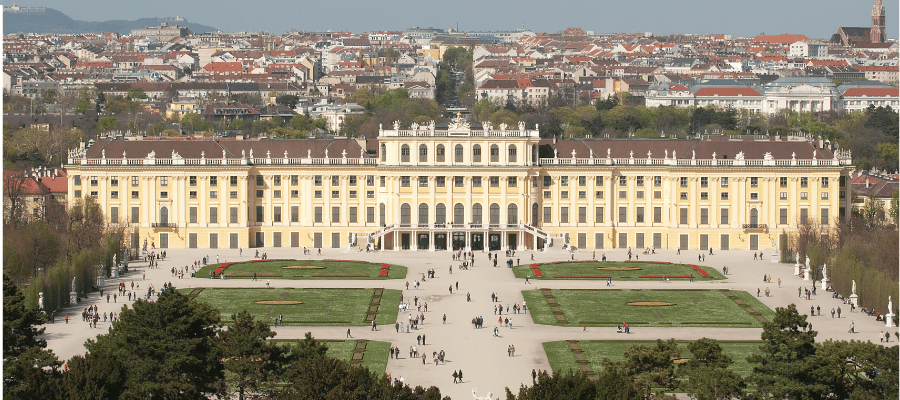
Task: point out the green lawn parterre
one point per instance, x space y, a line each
588 270
692 308
272 269
320 307
561 358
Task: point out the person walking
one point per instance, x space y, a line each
423 358
455 376
526 279
839 311
533 375
451 289
460 376
374 327
67 318
832 312
445 319
852 328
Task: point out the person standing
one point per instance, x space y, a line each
445 319
852 328
460 376
423 358
832 312
533 375
455 376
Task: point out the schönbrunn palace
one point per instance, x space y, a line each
463 188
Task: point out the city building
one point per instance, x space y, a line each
463 187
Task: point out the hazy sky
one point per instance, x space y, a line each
814 18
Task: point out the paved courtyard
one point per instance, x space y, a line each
476 352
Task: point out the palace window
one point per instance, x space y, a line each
423 181
512 181
134 181
724 181
404 181
114 181
192 181
440 181
494 181
639 180
476 181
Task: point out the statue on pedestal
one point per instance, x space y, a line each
890 305
73 284
853 290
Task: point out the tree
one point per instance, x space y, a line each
136 93
289 100
29 370
252 363
857 369
706 373
14 198
108 124
652 366
95 376
167 347
785 367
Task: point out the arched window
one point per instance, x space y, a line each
476 213
495 214
512 214
512 153
495 153
534 214
404 153
383 153
458 153
459 214
754 216
439 153
423 213
476 153
382 213
440 214
163 215
405 214
423 153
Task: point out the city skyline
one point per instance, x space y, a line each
697 17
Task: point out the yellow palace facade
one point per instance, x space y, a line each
463 188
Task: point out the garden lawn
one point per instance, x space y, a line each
275 269
710 308
617 270
319 307
561 358
375 356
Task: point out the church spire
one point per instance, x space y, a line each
877 33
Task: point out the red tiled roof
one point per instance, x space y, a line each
873 92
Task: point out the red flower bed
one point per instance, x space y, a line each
534 266
384 272
385 266
342 275
581 276
251 275
665 276
700 271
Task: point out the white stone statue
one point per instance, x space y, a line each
890 305
768 156
380 128
114 261
414 127
489 396
573 153
326 153
739 156
123 154
431 125
775 246
793 155
555 153
41 300
103 153
73 284
223 154
308 153
503 126
608 152
714 155
344 152
268 153
693 154
522 126
853 290
152 154
243 153
592 153
797 258
814 154
397 125
251 154
649 154
807 263
285 154
631 154
203 154
536 127
824 272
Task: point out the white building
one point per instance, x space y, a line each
808 50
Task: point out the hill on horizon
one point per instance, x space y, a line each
54 21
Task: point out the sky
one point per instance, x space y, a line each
814 18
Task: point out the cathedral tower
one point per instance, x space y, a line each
877 34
